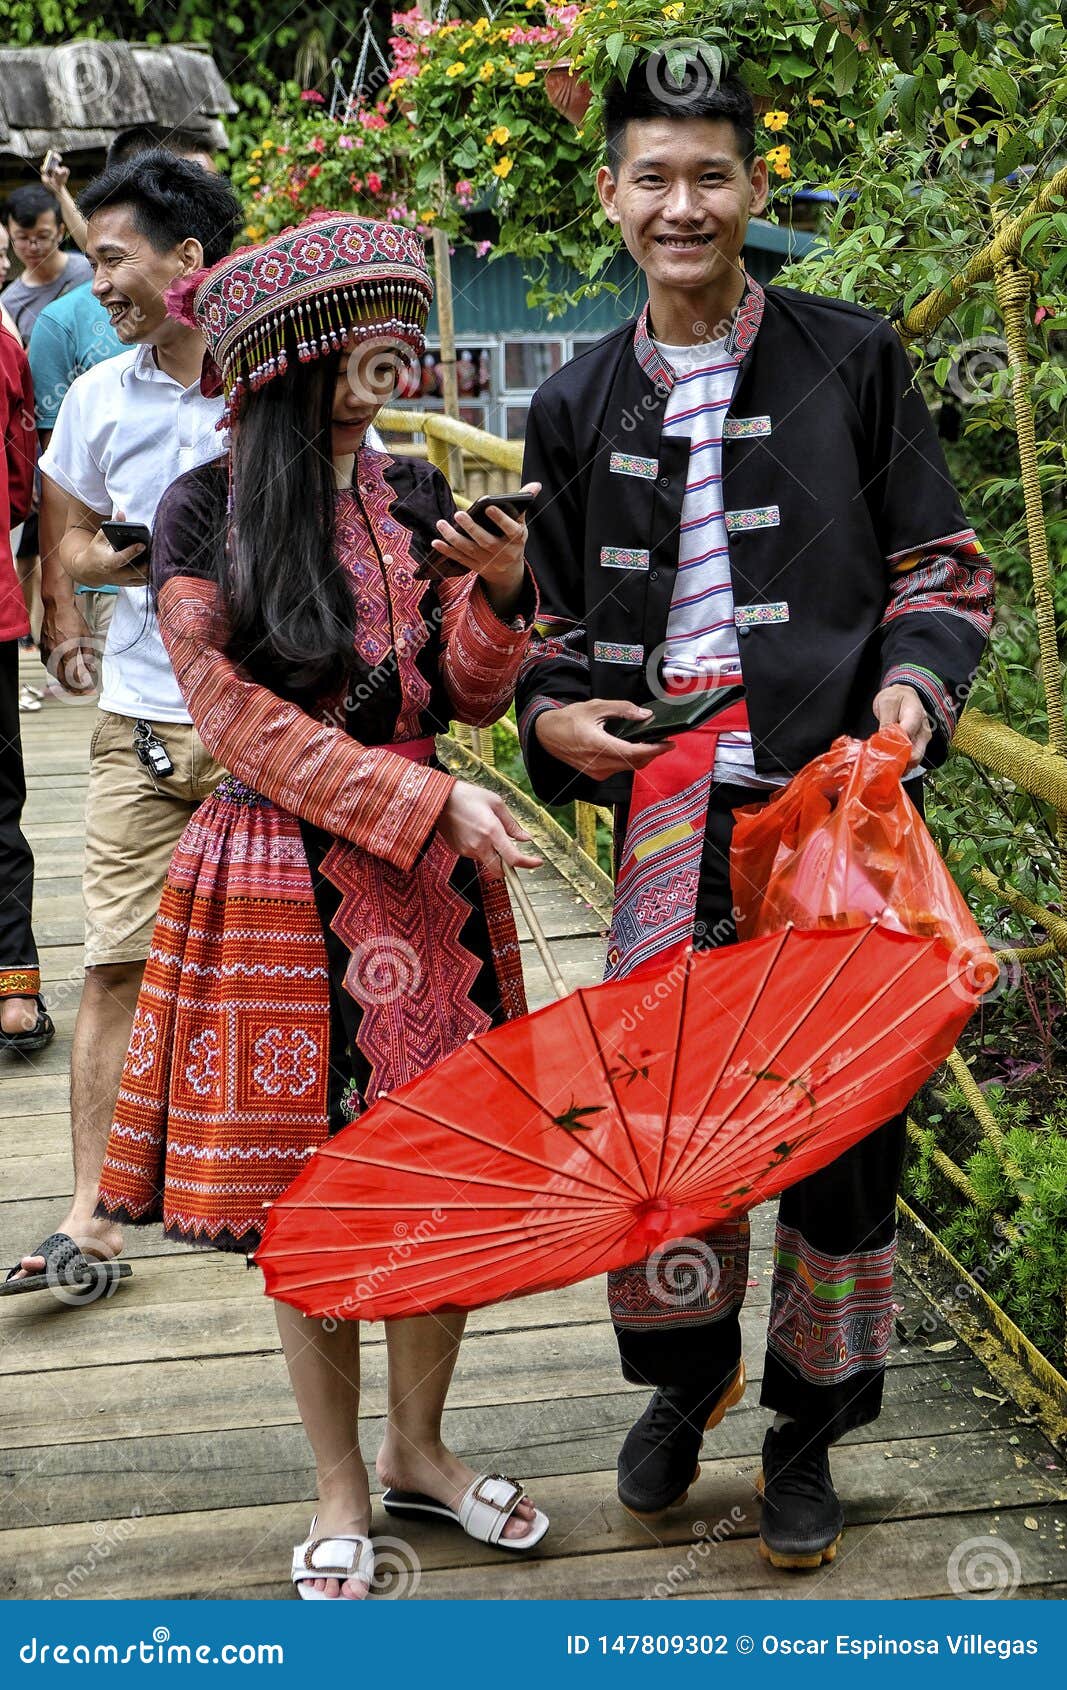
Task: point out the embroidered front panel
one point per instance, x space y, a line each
690 1282
625 463
760 516
623 557
409 972
656 890
746 428
831 1316
609 651
748 615
376 629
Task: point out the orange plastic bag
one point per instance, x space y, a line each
843 843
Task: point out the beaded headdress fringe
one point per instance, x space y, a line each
337 320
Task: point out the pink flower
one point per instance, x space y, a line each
316 170
313 97
374 182
483 247
345 142
317 144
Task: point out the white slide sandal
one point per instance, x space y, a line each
484 1510
331 1558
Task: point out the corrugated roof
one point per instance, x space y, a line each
78 96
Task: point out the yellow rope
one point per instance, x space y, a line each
923 318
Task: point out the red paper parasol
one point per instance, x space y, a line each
579 1138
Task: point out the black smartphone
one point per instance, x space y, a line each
119 535
672 715
516 505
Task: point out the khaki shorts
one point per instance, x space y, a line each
133 820
97 609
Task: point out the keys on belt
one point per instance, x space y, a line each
152 754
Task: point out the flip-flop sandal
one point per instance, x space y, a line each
484 1510
31 1038
67 1270
331 1558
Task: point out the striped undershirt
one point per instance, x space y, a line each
701 636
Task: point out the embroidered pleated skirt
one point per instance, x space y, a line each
291 979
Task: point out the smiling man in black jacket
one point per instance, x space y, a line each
744 485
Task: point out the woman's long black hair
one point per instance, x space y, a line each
289 604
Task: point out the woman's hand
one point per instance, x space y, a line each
499 562
479 825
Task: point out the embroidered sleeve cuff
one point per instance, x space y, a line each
483 656
931 690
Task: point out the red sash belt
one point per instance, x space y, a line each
659 871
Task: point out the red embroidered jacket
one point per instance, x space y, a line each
453 658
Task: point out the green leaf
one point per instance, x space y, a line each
625 62
614 45
677 62
1010 156
845 64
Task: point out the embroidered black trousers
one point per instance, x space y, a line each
677 1315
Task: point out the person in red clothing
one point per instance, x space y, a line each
24 1022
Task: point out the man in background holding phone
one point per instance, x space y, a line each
743 485
125 430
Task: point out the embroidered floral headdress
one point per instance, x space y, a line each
332 284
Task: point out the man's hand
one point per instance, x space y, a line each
575 734
90 559
902 705
478 824
67 647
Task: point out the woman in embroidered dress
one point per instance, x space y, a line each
334 920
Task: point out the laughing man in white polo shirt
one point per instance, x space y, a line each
125 431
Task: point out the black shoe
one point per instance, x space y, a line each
802 1519
657 1461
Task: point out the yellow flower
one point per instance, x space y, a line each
775 120
257 152
502 167
487 70
613 5
812 101
672 12
783 170
426 216
267 145
779 155
254 181
252 232
523 78
498 137
456 69
480 26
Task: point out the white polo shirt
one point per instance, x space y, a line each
124 432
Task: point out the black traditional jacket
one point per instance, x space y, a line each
853 565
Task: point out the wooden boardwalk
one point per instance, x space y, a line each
151 1447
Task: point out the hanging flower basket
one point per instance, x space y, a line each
570 94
